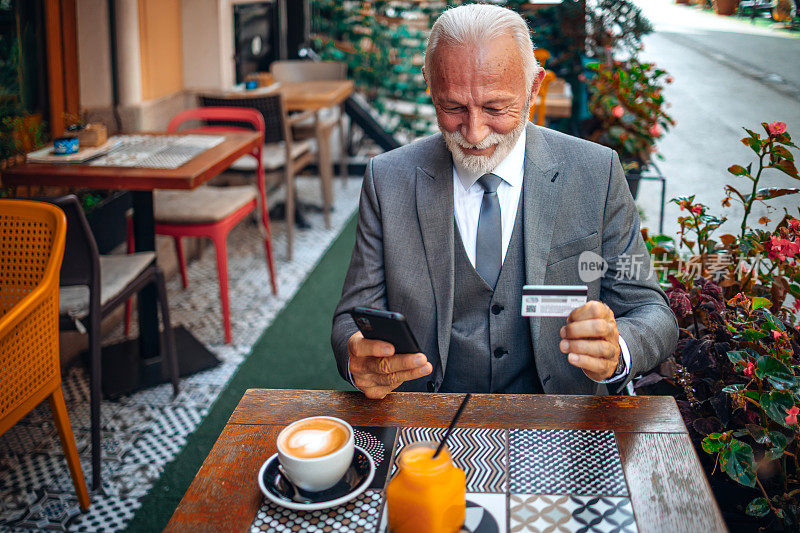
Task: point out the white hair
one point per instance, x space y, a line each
476 24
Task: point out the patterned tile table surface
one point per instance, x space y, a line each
517 480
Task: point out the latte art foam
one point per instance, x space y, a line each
314 438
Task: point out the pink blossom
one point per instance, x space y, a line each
748 370
776 128
791 417
670 79
618 111
796 305
775 334
698 209
794 224
655 130
779 248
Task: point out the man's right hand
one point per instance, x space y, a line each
376 370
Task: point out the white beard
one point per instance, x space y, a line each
479 165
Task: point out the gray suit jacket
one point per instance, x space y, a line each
575 199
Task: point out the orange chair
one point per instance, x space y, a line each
32 236
539 107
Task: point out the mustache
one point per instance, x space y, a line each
490 140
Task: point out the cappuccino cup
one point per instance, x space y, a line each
316 452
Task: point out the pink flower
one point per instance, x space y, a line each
791 417
776 128
618 111
794 224
775 334
796 305
670 79
698 209
655 130
748 370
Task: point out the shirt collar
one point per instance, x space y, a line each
509 169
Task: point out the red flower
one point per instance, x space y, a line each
655 130
618 111
775 334
776 128
791 417
794 224
670 79
748 370
698 209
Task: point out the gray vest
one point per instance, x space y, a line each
490 342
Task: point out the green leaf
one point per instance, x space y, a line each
778 374
737 356
737 170
794 288
738 462
773 322
733 389
753 335
776 404
761 302
787 167
779 442
758 433
712 444
758 507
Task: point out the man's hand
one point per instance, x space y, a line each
377 370
592 341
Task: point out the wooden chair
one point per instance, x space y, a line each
94 285
282 157
322 123
213 212
32 236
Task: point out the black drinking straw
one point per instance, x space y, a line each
452 424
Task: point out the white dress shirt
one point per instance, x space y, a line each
467 198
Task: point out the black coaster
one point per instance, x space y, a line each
379 443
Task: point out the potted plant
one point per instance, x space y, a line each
736 370
627 104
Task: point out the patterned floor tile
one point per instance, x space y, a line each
564 513
480 452
359 515
565 462
143 431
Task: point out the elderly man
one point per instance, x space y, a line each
452 226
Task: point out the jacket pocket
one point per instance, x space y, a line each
574 247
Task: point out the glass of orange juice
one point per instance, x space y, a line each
426 495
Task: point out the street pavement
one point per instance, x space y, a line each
728 74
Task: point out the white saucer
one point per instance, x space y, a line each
354 482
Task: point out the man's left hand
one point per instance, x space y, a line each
592 341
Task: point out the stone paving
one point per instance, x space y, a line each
728 74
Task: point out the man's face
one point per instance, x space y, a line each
481 101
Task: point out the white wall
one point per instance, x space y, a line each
94 53
202 67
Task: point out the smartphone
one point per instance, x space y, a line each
386 326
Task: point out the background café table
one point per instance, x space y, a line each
532 457
130 366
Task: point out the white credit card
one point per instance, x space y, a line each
552 300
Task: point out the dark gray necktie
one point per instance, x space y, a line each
488 246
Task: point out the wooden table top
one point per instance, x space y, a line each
668 489
193 173
315 95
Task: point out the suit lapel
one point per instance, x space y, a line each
436 219
541 195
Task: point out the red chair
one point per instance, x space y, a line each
213 211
